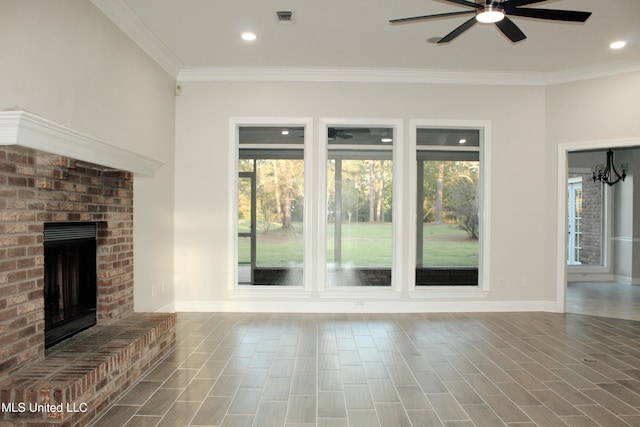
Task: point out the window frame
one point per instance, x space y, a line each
484 127
397 210
235 123
604 271
403 211
572 185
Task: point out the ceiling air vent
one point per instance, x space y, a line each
284 16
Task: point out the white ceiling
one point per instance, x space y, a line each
356 34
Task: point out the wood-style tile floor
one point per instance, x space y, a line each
608 299
469 369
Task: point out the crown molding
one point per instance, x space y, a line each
362 75
28 130
366 75
592 72
121 15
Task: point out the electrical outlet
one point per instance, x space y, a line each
359 302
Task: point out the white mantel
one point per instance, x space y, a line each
31 131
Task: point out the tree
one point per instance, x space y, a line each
280 185
463 205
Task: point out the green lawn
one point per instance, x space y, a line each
364 244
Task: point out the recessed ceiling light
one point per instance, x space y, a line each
248 36
618 44
462 141
386 139
284 131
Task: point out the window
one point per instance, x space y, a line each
359 195
355 186
271 196
585 219
448 205
574 211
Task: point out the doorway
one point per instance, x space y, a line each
590 279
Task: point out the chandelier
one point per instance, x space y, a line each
608 174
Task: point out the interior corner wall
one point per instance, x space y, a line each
602 109
635 241
635 251
65 61
626 236
517 201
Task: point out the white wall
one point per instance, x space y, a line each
517 205
66 62
626 236
597 113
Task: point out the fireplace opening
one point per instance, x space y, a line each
69 279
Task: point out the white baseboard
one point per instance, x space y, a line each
169 308
367 306
591 277
627 280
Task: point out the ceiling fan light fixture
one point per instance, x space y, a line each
491 14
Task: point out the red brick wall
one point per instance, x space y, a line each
35 188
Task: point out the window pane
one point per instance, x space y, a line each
270 207
270 135
448 222
359 219
448 137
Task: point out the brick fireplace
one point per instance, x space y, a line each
37 187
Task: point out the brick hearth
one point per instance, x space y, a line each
84 374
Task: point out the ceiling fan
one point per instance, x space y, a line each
497 11
346 133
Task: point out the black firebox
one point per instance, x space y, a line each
69 279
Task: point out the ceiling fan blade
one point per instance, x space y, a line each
355 130
510 30
461 29
425 17
466 3
510 4
551 14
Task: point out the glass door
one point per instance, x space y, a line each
574 210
